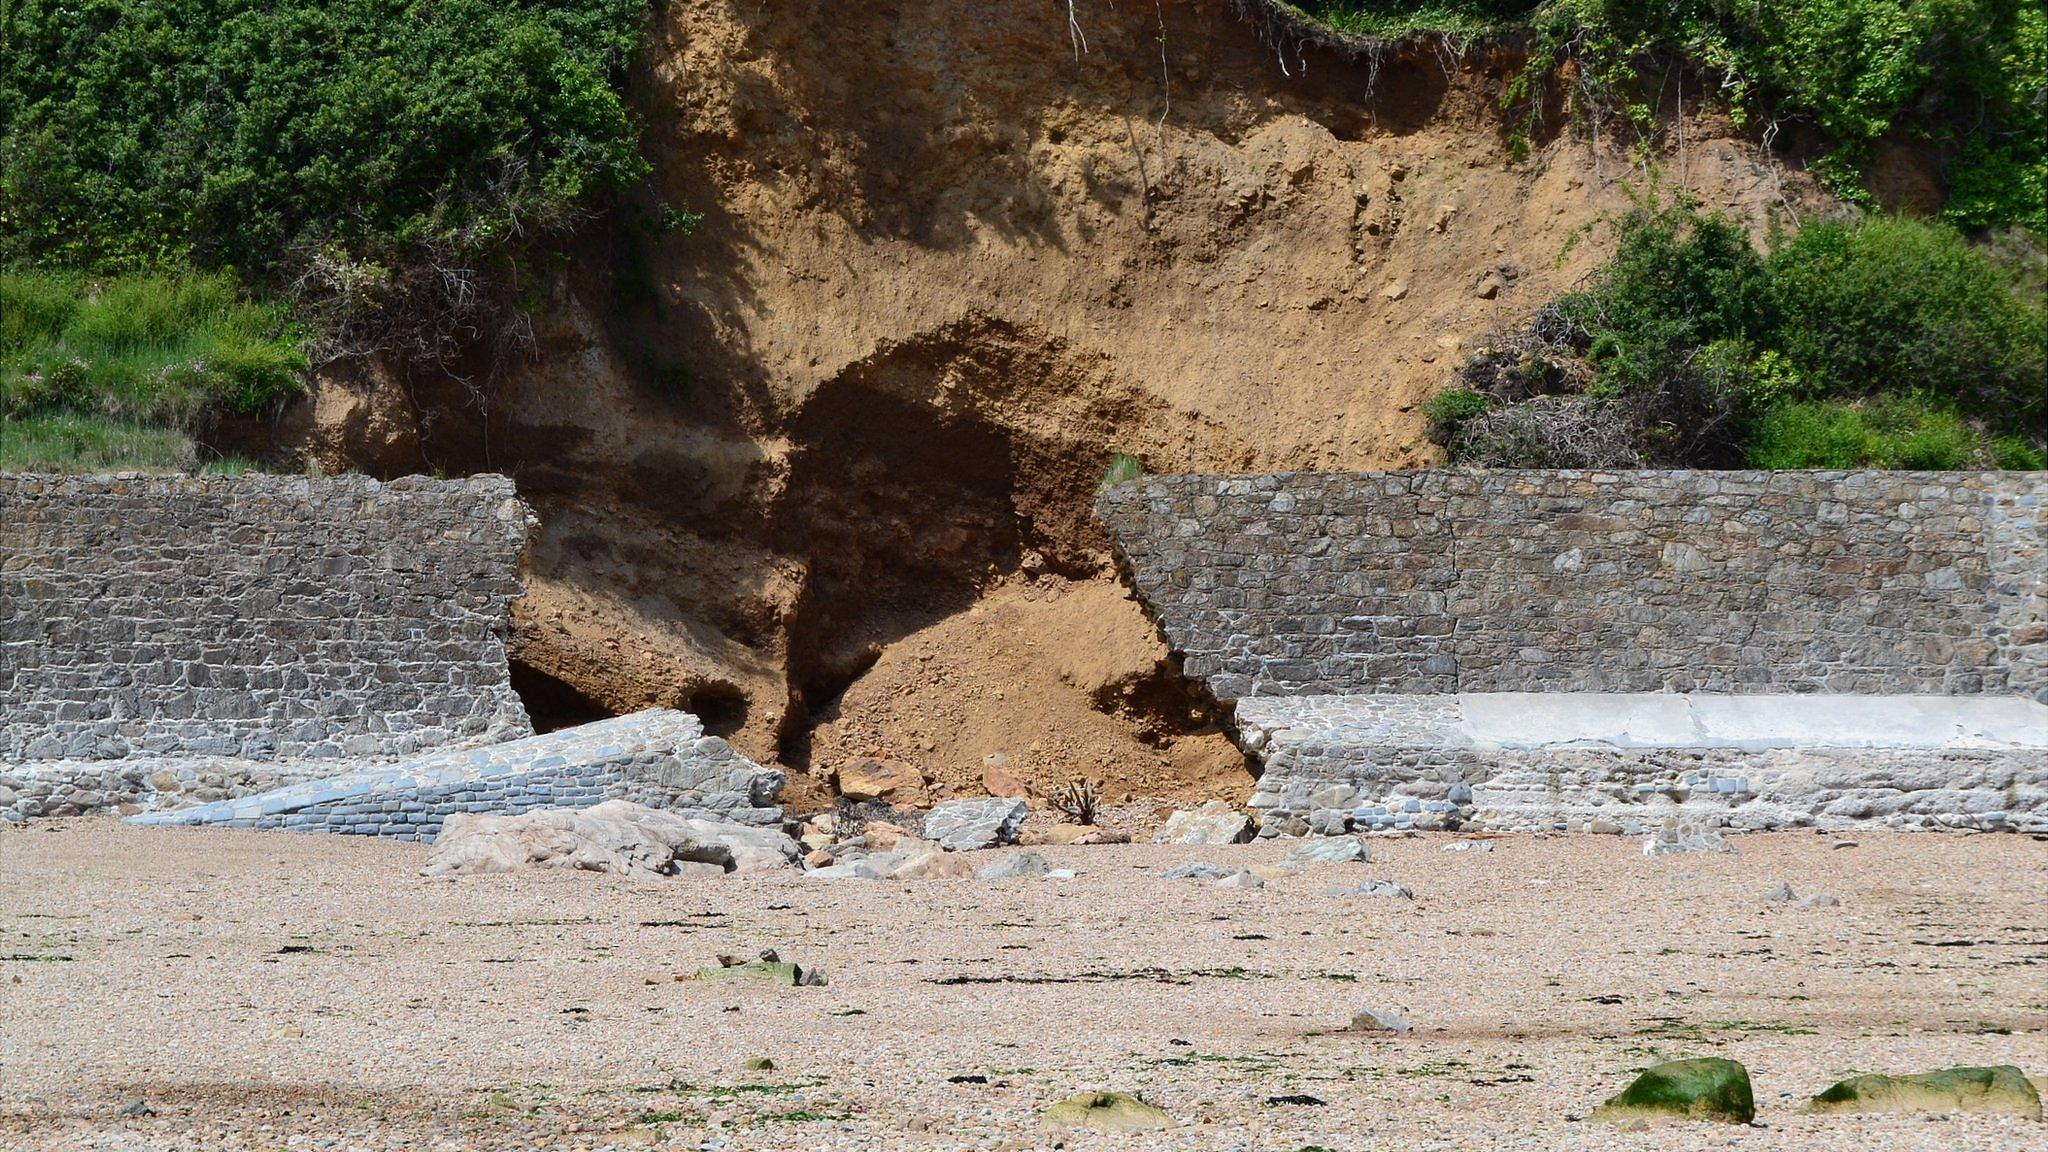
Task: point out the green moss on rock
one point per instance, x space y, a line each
1708 1088
1105 1112
775 972
2002 1090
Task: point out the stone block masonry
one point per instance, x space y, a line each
659 757
202 622
1729 582
1516 761
1600 650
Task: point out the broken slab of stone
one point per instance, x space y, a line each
1378 1020
2002 1090
933 863
1079 834
658 757
615 836
1215 822
866 778
1374 887
967 825
1105 1112
1196 870
1334 850
1706 1088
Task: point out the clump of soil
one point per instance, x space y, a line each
1046 680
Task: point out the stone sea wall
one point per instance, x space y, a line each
1564 581
197 622
1615 763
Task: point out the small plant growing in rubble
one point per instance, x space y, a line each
1077 799
1122 466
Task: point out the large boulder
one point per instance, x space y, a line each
964 825
615 836
2000 1091
1707 1088
1215 822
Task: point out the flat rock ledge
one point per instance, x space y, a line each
659 758
1627 762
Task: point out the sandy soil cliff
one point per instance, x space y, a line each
820 471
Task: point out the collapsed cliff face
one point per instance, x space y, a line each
950 262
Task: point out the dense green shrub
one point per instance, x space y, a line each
1122 467
1895 433
371 161
1900 306
1968 77
1449 410
1883 343
234 133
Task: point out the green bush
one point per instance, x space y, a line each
1883 343
1122 467
1678 281
139 134
1889 305
70 442
2015 453
1451 409
1896 433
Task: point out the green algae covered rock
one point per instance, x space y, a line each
1708 1088
773 971
1999 1091
1105 1112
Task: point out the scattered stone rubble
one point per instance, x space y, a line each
616 836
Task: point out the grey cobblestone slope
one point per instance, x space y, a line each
659 757
259 618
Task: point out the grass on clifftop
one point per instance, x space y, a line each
117 372
181 178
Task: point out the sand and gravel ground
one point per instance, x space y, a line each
262 990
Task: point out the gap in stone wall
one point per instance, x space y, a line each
553 704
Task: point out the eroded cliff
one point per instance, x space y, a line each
820 471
